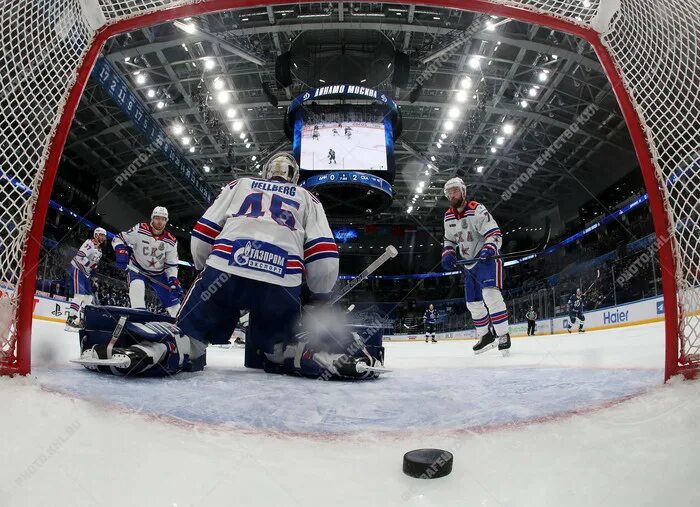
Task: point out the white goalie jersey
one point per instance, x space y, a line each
271 231
153 255
471 229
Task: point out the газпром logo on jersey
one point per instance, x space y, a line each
260 256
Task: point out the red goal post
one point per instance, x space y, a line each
648 48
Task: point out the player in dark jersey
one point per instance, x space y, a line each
577 302
429 320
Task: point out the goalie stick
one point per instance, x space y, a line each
118 360
539 248
389 253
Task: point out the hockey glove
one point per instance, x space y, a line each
175 287
487 252
121 254
449 261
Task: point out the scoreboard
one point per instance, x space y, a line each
343 138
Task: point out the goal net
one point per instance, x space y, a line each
649 49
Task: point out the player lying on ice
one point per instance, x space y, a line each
253 245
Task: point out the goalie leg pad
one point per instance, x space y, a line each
331 352
155 346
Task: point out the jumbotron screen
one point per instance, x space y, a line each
344 138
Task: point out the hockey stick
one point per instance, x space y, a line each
539 248
389 253
115 335
412 327
150 278
593 283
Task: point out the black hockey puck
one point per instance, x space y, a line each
427 463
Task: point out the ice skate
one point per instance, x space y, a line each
96 356
358 367
486 342
73 324
504 344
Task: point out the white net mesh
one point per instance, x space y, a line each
42 45
654 43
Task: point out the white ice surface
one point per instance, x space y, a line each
566 420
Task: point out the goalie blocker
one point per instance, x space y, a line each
152 345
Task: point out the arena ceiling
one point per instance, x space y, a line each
526 85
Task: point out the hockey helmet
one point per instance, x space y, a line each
282 165
98 231
160 211
456 183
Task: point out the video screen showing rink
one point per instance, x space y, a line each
348 146
350 137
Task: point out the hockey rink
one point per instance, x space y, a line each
524 430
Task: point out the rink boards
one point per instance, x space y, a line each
639 312
630 314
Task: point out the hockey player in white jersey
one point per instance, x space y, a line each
470 228
255 244
81 267
149 254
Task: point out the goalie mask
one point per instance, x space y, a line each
282 165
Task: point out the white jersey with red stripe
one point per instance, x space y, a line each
151 254
272 231
88 256
472 229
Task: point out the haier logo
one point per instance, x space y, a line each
615 317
